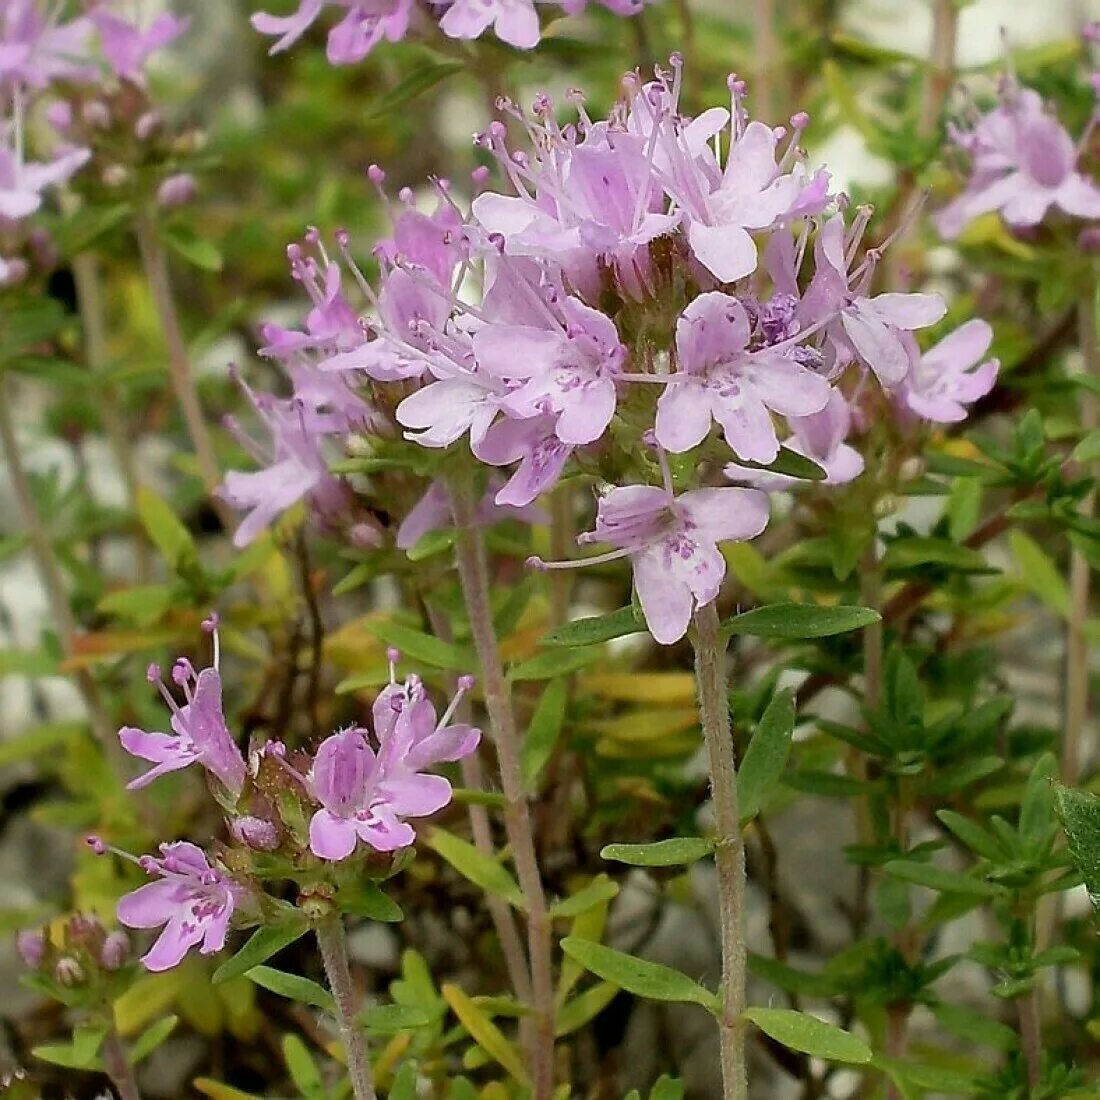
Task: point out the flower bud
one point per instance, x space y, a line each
1088 240
31 945
177 190
115 950
68 971
255 833
147 125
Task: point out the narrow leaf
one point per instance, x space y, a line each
794 621
484 1032
481 870
940 879
599 890
766 756
292 986
263 943
422 647
592 631
151 1038
801 1031
544 731
645 979
677 851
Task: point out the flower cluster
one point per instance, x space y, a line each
52 63
360 786
653 299
1023 163
78 954
365 23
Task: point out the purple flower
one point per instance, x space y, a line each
719 378
672 543
432 512
567 371
535 445
30 943
1023 163
36 49
869 328
364 25
950 375
514 21
199 731
127 47
364 794
193 900
22 182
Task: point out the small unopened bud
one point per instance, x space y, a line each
1088 240
96 113
147 125
96 844
467 682
177 190
255 833
31 945
115 950
59 115
68 971
115 175
376 174
84 928
480 175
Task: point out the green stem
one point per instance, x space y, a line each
1077 651
713 687
118 1067
334 955
155 264
93 319
473 572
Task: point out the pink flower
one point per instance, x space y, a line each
535 445
199 732
720 379
950 376
37 50
192 900
567 371
366 794
432 512
514 21
22 182
672 544
127 47
364 25
1023 163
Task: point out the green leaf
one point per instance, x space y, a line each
365 899
600 628
667 1088
975 1027
978 840
913 551
481 870
404 1083
64 1054
645 979
543 732
423 647
292 986
263 943
431 544
1037 805
1079 812
425 76
554 662
584 1008
200 251
151 1038
1088 450
766 757
484 1032
170 537
1039 573
390 1019
801 1031
964 506
677 851
940 879
303 1069
599 890
794 621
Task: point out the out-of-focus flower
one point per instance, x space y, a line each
127 47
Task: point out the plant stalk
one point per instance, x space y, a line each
712 683
155 264
1031 1035
473 571
118 1067
1077 651
334 955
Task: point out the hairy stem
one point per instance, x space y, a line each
334 955
1077 652
713 688
49 571
155 264
504 922
473 571
118 1067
